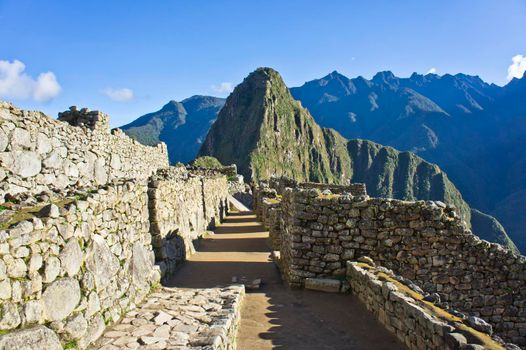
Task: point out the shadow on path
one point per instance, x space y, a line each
274 316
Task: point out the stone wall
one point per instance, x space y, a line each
79 207
183 206
271 218
417 323
38 153
423 241
78 264
281 183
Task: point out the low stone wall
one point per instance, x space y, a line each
183 206
38 153
76 265
417 323
423 241
281 183
177 318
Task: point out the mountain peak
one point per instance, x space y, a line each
172 106
386 78
384 75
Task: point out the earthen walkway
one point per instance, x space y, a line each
274 316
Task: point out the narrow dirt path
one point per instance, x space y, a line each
274 316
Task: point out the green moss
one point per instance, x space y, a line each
207 162
29 212
2 208
71 345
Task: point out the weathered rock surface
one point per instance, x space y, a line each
61 298
34 338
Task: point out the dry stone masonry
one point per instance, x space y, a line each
38 153
183 206
425 242
78 264
417 323
90 221
172 318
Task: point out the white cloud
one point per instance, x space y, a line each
224 87
517 67
16 84
119 95
432 71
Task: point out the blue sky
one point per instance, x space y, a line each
128 58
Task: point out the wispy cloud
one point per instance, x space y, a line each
223 88
432 71
119 95
517 67
16 84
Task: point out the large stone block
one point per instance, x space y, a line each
323 285
60 299
101 262
34 338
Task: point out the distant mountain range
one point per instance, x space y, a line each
475 131
181 125
265 131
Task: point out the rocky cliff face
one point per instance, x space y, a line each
265 131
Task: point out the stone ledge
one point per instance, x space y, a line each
417 323
180 318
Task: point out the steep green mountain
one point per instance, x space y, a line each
181 125
475 131
488 228
265 131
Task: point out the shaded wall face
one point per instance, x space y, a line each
423 241
38 153
182 208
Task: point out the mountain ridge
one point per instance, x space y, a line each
181 125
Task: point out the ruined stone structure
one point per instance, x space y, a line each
183 205
425 242
90 221
38 153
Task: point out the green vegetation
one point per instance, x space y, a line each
29 212
2 208
207 162
488 228
71 345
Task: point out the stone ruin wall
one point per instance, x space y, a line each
416 323
183 206
425 242
267 201
38 153
78 265
77 252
